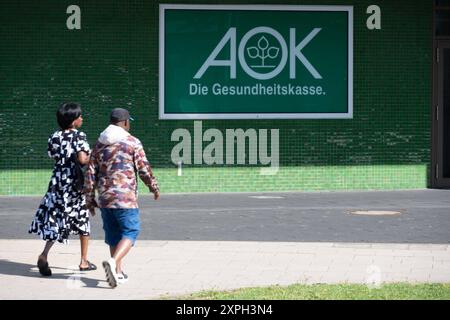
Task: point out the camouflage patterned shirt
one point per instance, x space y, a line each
115 162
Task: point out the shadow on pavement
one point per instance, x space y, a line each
12 268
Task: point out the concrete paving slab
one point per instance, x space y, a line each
19 278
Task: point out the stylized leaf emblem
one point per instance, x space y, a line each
273 52
253 52
263 43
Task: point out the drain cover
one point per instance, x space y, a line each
266 197
376 212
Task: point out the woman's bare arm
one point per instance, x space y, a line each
83 157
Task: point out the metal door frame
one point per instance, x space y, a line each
437 179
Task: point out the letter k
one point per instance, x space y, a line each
295 52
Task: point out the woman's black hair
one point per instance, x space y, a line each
67 113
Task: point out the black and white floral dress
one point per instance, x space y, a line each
63 209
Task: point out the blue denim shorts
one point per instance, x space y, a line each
119 224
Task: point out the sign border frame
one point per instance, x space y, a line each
225 116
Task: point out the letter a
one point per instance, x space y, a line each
74 21
211 61
184 146
374 21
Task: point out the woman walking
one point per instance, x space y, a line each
63 210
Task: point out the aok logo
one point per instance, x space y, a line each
263 54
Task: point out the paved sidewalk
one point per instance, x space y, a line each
161 268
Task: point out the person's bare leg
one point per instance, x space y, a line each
84 241
44 254
121 250
112 250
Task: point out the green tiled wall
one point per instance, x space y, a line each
113 62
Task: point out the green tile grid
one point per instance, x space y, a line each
328 178
113 61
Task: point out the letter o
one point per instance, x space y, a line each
284 55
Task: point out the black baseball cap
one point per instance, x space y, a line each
119 114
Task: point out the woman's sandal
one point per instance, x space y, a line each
90 267
44 268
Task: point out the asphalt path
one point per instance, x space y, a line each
287 216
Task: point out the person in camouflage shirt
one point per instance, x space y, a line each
116 160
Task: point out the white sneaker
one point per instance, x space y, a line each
110 271
122 278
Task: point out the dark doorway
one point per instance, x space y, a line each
441 118
440 156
